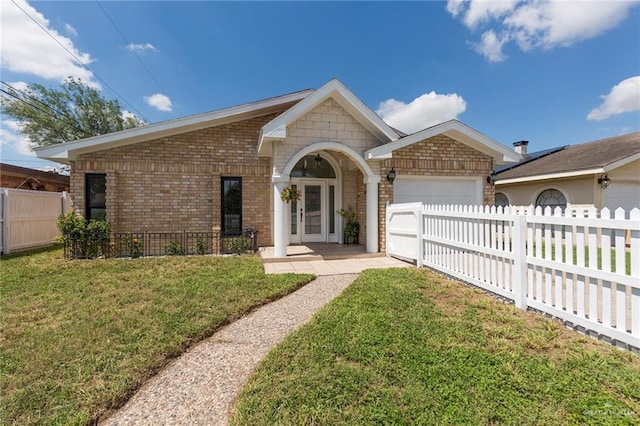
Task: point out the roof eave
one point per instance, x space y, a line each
549 176
68 151
457 131
277 128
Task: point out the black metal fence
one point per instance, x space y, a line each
132 244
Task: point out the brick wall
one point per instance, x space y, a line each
173 184
436 156
328 122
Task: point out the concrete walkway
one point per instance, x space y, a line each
333 267
201 386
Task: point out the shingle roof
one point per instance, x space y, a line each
586 156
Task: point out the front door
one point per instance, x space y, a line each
312 212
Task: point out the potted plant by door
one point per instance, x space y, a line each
351 227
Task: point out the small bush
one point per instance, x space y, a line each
201 246
174 248
83 239
238 245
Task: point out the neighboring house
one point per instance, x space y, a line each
227 169
17 177
603 173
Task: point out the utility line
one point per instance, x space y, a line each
39 109
128 43
79 61
74 123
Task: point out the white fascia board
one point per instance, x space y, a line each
551 176
351 103
457 131
622 162
165 128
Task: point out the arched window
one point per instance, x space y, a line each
313 166
501 200
552 198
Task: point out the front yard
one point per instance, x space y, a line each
403 346
78 337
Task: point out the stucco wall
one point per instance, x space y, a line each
578 191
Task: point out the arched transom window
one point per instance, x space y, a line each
501 200
552 198
313 166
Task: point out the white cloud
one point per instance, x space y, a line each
159 102
491 46
623 97
141 47
26 48
70 30
542 24
424 111
10 137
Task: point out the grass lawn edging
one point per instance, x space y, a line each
80 337
403 346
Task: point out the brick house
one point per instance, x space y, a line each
226 169
37 180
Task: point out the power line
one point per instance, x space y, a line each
128 43
73 123
35 107
79 61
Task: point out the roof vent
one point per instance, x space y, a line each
521 147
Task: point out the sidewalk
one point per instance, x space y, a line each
200 387
333 267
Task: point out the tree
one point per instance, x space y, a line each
76 111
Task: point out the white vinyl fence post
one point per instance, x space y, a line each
6 227
420 253
520 261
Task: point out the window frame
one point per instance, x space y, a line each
88 177
224 179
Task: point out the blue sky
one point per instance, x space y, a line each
551 72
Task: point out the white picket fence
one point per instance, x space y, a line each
29 218
574 265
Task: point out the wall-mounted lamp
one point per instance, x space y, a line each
391 176
604 181
318 160
491 179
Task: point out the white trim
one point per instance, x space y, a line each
276 129
622 162
69 150
550 176
327 146
455 130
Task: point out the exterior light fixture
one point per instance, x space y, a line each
491 179
604 181
391 176
318 160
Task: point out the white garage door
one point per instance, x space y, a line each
622 194
430 190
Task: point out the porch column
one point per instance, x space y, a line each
372 213
280 182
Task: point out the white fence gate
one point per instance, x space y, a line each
29 218
572 264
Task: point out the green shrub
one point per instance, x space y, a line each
174 248
238 245
81 239
201 246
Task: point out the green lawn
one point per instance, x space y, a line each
78 337
403 346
